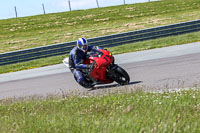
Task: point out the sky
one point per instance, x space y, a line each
34 7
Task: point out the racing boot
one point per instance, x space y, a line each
86 84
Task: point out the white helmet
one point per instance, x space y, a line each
82 44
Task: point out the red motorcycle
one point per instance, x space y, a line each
104 70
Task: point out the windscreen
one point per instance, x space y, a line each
95 53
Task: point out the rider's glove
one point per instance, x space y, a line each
91 67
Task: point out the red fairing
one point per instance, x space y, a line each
102 62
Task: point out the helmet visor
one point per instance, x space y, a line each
83 47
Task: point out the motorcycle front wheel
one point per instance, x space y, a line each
122 76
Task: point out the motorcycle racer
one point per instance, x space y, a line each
92 65
77 57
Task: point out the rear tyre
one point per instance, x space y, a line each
122 76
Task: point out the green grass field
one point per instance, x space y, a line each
34 31
116 113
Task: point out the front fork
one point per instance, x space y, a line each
111 73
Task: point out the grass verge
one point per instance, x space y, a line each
150 44
34 31
127 112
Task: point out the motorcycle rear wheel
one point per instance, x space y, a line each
122 76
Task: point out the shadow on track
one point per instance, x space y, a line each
114 85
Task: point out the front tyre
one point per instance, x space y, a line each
122 76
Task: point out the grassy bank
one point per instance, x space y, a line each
34 31
133 112
156 43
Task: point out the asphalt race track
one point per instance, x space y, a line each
157 69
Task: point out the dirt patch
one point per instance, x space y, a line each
133 26
155 21
101 20
115 30
130 8
56 41
89 16
15 48
129 16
